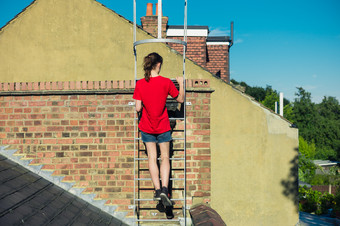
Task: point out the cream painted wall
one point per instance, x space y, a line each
253 152
252 148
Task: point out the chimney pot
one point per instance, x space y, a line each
149 9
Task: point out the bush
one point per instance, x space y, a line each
327 202
315 202
319 179
337 200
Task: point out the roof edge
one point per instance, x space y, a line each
17 15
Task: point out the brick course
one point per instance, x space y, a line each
84 131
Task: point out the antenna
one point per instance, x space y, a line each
232 33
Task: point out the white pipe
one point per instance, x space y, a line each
281 104
276 107
159 18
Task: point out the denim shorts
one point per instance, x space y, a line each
156 138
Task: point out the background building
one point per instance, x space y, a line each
210 52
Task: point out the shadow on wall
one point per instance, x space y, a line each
291 184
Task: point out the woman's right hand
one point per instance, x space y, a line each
179 80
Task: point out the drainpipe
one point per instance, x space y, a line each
281 104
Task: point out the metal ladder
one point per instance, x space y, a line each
137 140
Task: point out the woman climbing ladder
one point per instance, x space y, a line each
150 94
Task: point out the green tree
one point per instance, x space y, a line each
325 153
270 98
288 112
258 93
328 139
329 108
305 115
306 168
306 149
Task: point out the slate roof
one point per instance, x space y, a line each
26 198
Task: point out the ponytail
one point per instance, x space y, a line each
150 61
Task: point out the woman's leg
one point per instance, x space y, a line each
153 168
165 165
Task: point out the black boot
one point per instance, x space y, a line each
157 196
165 196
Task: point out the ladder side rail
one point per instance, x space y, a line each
185 118
136 115
159 19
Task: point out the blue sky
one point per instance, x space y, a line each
285 44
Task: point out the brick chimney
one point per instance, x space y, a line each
196 42
218 56
150 21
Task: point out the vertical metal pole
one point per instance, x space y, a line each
185 118
135 115
281 104
275 107
159 18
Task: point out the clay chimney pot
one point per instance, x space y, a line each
149 9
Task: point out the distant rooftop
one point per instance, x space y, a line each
324 162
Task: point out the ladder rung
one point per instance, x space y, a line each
172 138
159 220
154 200
160 158
160 179
152 189
171 169
169 118
171 150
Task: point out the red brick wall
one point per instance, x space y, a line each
325 188
196 49
217 61
84 131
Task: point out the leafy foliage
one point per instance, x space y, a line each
325 153
319 123
306 149
319 179
270 98
306 169
314 201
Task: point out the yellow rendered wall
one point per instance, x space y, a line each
253 151
254 162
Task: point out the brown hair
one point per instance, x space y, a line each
150 61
